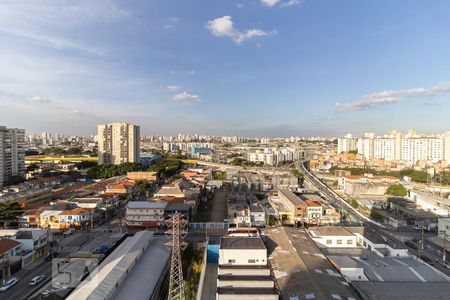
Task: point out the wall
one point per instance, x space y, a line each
241 257
444 225
322 241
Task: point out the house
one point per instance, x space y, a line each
119 188
49 219
257 215
333 237
181 208
77 218
10 247
147 176
35 243
314 212
296 207
145 214
88 202
169 190
30 220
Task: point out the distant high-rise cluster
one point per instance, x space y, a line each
118 143
12 152
410 147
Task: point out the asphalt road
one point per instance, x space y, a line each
23 287
373 225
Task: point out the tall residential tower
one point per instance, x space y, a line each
12 152
118 142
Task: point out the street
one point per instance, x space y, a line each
23 287
388 233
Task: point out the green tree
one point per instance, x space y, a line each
397 190
32 167
142 186
219 175
354 203
8 210
13 180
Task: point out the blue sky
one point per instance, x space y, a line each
258 68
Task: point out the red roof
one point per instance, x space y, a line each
7 244
311 203
76 211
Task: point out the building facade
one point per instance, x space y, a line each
145 214
395 146
118 143
12 153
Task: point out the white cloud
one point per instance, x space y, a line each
282 3
47 23
184 96
177 115
173 87
171 22
291 3
240 5
269 2
38 99
223 27
388 97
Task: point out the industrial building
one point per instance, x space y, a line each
243 272
120 276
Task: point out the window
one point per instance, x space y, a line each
251 261
329 242
349 242
339 242
231 261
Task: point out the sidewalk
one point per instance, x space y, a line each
210 283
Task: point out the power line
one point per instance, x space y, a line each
177 226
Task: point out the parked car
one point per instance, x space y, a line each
417 227
10 283
445 264
37 279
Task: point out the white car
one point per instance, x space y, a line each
37 279
10 283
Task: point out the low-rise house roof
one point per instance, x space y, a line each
147 205
8 244
234 242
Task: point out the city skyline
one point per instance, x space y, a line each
247 68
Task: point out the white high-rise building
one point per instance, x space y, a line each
410 147
118 143
12 152
347 143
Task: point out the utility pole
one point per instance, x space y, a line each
444 250
176 285
5 260
421 239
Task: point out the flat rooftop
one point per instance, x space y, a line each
292 197
238 242
300 268
330 231
403 290
389 269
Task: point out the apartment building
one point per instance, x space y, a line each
118 143
145 214
12 152
395 146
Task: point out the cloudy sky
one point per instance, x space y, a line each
268 67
